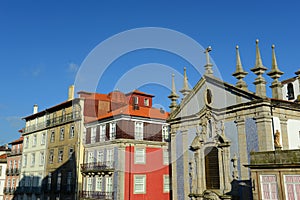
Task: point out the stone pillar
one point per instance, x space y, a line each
201 171
264 132
284 133
173 163
242 154
226 161
185 160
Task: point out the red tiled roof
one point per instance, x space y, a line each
140 112
20 140
3 156
140 93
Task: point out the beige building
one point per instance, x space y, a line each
52 151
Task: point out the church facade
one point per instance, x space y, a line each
217 125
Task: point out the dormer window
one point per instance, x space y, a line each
135 100
146 102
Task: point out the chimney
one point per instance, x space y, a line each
35 108
71 93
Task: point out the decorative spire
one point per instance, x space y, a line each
275 74
208 66
173 96
239 72
185 90
259 70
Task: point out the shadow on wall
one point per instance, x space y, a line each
60 183
241 189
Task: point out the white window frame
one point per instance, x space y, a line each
139 155
112 130
42 158
51 156
165 156
58 182
90 157
269 185
32 163
43 140
89 184
99 184
72 132
102 132
293 183
52 136
60 155
139 184
100 156
146 102
166 183
165 133
93 134
62 134
34 140
25 160
109 157
138 130
108 184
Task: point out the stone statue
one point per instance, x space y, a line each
277 139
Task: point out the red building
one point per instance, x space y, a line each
13 169
126 149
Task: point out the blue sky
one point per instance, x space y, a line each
43 44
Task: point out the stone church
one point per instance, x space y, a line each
217 125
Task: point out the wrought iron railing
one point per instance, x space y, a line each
96 195
53 122
97 166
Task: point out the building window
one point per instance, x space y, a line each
62 134
110 157
166 183
109 184
13 183
69 181
138 131
58 181
165 133
89 184
51 156
135 100
91 157
100 156
165 156
292 186
42 158
146 102
112 131
72 132
32 159
49 182
52 136
71 151
43 140
290 89
34 140
139 156
60 155
25 160
27 142
93 134
139 184
102 132
269 187
99 182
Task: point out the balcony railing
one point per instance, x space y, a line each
96 195
9 190
97 167
53 122
12 172
15 152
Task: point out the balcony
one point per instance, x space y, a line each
15 152
6 190
97 168
96 195
53 122
9 172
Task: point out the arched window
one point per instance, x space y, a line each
212 174
290 89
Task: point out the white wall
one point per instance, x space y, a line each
296 90
2 179
293 127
